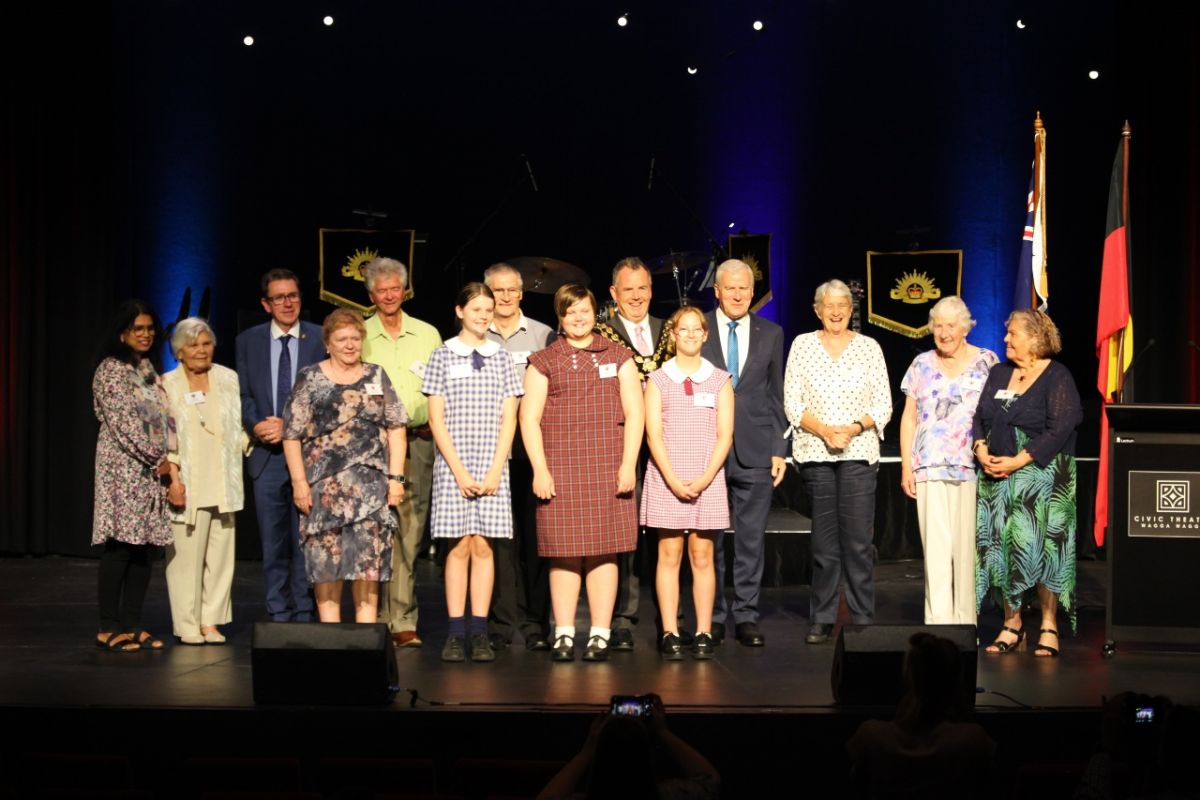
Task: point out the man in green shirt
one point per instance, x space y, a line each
402 345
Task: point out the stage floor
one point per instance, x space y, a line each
47 658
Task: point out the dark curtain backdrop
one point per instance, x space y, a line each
431 130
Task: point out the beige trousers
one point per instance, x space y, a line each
200 572
946 513
398 599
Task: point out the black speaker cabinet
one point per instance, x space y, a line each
1153 524
868 662
319 664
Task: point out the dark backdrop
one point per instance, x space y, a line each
146 150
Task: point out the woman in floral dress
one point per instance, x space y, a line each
131 496
473 387
344 441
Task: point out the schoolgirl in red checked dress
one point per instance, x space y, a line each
689 428
581 421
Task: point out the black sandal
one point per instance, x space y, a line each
109 643
1050 652
147 641
1006 647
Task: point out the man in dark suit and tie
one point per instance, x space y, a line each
750 348
268 357
636 329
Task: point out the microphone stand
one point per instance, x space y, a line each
456 259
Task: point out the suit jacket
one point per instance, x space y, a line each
759 422
614 330
254 375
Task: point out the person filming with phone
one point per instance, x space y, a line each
630 753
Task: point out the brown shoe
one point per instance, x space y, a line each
406 639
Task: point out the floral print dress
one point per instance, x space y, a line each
136 433
342 429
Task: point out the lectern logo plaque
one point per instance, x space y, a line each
1160 504
1173 496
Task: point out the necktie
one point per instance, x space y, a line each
731 360
643 341
283 382
687 387
476 360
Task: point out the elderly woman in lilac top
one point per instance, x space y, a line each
937 468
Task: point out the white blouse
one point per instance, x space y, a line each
837 393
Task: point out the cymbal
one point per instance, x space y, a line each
544 275
665 265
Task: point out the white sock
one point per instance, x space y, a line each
564 630
603 633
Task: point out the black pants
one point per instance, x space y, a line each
124 578
521 592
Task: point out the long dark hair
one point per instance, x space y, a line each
623 766
113 346
933 674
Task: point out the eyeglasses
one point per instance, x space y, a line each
280 299
141 329
689 331
506 291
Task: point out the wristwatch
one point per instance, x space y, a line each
398 479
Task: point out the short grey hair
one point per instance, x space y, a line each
834 287
632 262
187 331
953 306
383 268
502 268
730 265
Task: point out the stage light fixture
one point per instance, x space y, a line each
1021 24
692 70
758 26
248 41
733 224
1093 74
328 20
623 20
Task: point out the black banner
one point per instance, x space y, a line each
755 250
901 287
345 253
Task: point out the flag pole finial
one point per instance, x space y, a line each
1037 122
1126 131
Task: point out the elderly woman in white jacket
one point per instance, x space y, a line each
206 404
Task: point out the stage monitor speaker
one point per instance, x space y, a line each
342 664
868 662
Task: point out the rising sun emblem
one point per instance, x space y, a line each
356 265
915 287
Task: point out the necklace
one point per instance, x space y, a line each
1025 372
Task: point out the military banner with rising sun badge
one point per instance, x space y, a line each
902 287
345 253
755 250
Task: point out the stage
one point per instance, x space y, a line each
745 708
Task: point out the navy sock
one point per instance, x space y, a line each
458 626
479 624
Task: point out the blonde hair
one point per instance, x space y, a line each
1038 325
674 320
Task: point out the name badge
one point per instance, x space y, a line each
608 370
374 389
193 398
460 371
705 400
418 369
520 357
1005 394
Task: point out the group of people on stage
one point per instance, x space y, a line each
356 433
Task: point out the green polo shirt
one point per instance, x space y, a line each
399 356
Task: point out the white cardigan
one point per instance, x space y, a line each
224 395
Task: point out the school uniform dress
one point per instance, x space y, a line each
474 383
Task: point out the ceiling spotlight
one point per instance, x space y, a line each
248 41
328 20
1093 74
758 26
1021 24
623 20
692 70
732 225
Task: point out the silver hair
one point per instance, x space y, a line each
729 265
382 268
187 331
953 306
834 287
501 268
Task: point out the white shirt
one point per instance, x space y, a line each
743 337
837 393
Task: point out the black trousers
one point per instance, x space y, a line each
124 578
521 591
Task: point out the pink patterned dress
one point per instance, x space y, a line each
690 433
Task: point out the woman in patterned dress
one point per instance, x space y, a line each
837 398
689 428
581 421
473 387
936 466
344 441
131 496
1024 441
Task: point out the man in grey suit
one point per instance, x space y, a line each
751 349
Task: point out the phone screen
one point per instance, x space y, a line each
627 706
1144 714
